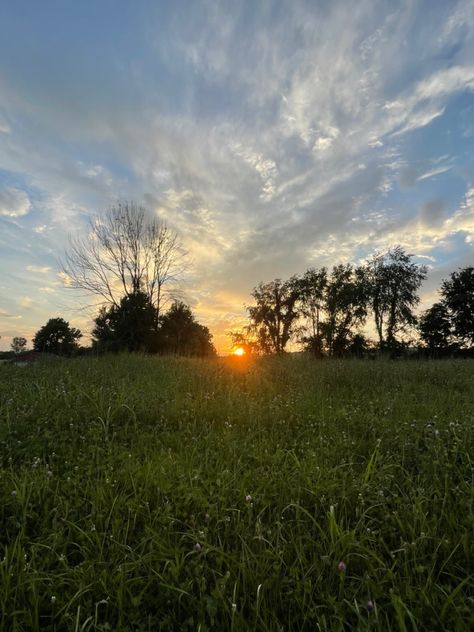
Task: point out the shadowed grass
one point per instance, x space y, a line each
144 493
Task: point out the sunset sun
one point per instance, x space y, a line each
239 351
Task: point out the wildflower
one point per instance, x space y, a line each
248 498
370 605
14 492
341 567
53 599
197 547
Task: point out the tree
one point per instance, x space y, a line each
393 281
18 344
435 327
345 305
458 297
123 254
181 334
275 314
130 325
56 337
313 285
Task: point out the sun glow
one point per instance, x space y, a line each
239 351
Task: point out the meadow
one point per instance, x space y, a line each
147 493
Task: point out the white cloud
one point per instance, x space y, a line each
38 269
419 119
14 202
264 167
432 173
463 219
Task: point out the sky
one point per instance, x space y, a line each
272 136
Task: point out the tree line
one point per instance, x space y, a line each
132 325
325 310
130 263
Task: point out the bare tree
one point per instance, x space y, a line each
125 252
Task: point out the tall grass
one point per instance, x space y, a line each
144 493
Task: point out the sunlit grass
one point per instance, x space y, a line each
144 493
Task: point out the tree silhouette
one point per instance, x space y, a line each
180 334
274 316
393 281
313 286
345 303
18 344
56 337
123 254
130 325
435 327
458 297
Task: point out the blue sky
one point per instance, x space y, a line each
273 136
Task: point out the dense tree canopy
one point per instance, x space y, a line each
458 297
180 334
435 327
130 325
57 337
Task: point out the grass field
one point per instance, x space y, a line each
145 493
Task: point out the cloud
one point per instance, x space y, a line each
5 314
433 212
270 138
26 302
463 219
415 120
38 269
433 172
13 202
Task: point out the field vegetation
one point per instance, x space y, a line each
277 493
